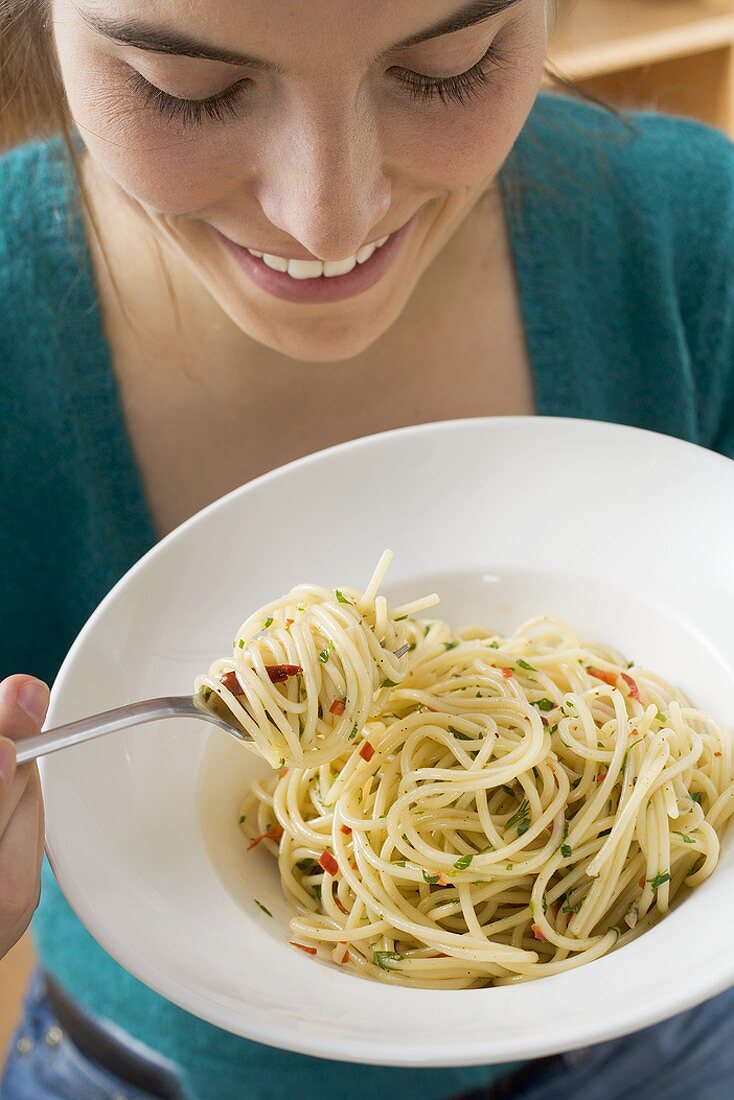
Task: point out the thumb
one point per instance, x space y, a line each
23 706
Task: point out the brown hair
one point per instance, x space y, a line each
32 99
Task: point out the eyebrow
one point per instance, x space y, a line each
162 40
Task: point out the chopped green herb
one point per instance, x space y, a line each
261 906
509 866
388 683
400 619
411 647
427 628
354 732
386 959
241 643
324 654
450 645
544 704
306 864
269 621
509 790
430 879
629 750
526 666
463 862
342 598
399 862
553 729
696 796
575 783
459 734
566 851
664 876
206 692
494 645
661 717
243 818
686 838
520 818
281 762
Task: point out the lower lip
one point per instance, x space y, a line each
316 291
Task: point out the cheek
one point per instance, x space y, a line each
169 170
457 146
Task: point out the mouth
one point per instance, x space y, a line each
316 281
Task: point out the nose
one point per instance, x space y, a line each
325 184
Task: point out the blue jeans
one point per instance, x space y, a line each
43 1064
690 1057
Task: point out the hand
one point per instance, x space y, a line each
23 704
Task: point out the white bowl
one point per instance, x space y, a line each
627 534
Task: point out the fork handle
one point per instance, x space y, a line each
110 721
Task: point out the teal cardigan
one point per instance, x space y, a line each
623 243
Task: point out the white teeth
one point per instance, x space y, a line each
339 267
365 252
305 269
313 269
276 262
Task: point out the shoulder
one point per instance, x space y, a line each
42 247
672 175
35 186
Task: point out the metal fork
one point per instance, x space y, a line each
122 718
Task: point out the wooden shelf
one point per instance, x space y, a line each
594 37
675 56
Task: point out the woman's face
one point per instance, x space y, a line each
302 130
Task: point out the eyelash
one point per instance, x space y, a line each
452 89
215 108
459 89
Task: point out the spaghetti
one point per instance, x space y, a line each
511 808
308 670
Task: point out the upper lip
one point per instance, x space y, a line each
290 253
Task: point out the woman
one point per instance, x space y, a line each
292 225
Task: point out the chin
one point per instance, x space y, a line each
335 336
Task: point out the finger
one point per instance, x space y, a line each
23 706
20 867
11 795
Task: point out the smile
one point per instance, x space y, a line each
314 269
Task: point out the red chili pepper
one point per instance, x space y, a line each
345 829
302 947
282 772
327 861
442 880
641 883
231 683
601 777
367 751
549 828
538 932
632 685
272 834
507 673
279 673
717 754
339 905
608 677
289 622
337 707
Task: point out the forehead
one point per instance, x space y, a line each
306 30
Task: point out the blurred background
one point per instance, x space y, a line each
673 55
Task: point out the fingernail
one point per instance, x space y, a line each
33 699
7 758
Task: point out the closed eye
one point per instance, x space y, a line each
217 108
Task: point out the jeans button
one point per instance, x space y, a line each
53 1037
24 1045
